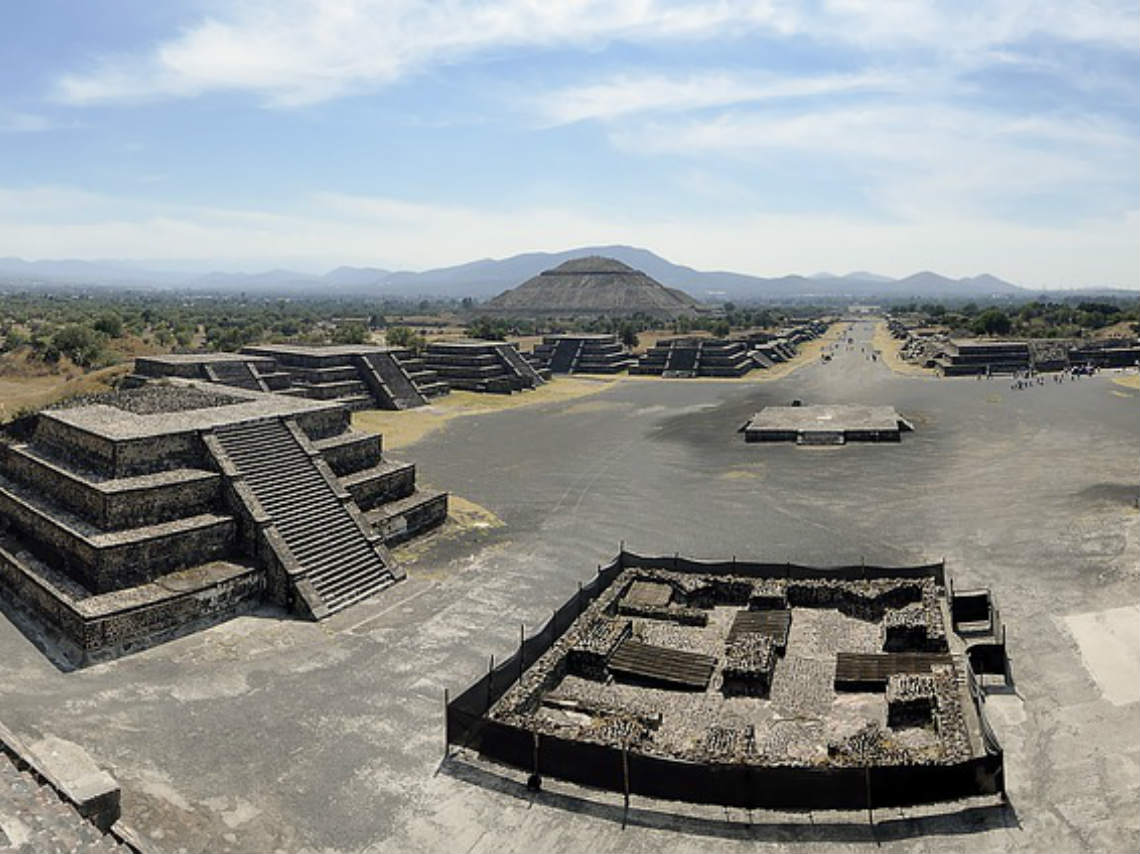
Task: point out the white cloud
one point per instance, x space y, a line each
627 94
294 52
24 123
337 228
914 160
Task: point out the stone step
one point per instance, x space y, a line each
343 580
316 555
360 593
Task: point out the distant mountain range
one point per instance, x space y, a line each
489 277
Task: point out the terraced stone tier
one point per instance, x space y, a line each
350 451
111 560
114 503
401 520
91 627
386 481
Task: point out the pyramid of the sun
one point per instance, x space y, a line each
592 286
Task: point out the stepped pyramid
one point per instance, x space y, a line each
141 514
593 286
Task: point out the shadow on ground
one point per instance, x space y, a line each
956 820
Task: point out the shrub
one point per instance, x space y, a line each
403 336
110 324
81 344
350 333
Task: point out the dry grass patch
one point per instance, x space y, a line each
1128 381
26 384
888 347
403 428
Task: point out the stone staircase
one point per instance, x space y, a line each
401 390
682 361
336 557
33 818
234 373
564 356
426 381
521 366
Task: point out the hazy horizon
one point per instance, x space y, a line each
748 137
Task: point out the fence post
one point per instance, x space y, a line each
446 743
522 641
625 777
870 806
534 782
490 682
579 598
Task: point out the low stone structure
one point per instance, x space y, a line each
135 516
825 424
696 357
753 703
971 357
489 366
1110 353
355 376
581 353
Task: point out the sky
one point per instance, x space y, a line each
758 137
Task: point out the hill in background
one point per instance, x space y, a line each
485 278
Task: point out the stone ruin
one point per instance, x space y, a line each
134 516
763 679
825 424
582 353
485 366
677 358
354 376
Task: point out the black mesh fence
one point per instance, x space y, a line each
738 785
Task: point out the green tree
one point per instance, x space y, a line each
110 324
628 335
13 339
404 336
992 321
81 344
350 333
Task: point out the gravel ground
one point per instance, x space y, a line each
153 398
794 724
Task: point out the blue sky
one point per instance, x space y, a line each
762 137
